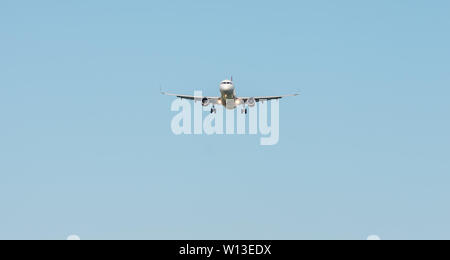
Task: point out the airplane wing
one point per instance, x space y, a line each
267 98
213 100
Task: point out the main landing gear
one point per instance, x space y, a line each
243 110
213 110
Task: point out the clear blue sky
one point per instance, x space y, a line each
85 140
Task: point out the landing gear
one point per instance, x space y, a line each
213 110
244 110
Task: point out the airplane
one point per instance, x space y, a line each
228 98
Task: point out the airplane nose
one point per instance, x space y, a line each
226 87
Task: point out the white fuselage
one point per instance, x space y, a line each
228 94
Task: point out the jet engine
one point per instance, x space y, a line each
205 102
251 102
